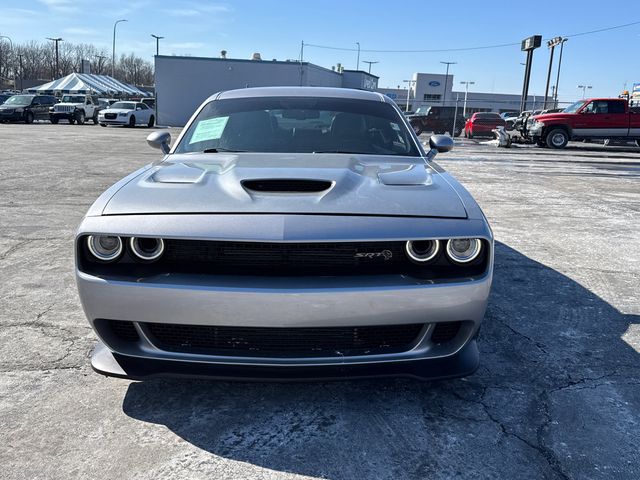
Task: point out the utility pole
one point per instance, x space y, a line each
157 43
446 79
56 41
358 61
466 91
528 45
369 63
113 54
558 77
552 45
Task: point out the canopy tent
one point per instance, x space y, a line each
88 83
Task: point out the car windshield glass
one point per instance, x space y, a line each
299 125
573 108
19 100
72 99
124 105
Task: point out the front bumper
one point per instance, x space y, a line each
11 117
114 121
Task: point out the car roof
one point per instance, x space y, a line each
327 92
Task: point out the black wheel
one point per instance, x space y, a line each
152 121
80 118
71 121
95 117
457 132
103 124
28 118
470 134
557 138
55 120
132 121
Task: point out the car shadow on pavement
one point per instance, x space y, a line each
557 396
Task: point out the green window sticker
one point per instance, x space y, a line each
210 129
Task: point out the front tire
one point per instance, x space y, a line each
557 138
80 118
28 118
152 121
132 121
55 120
95 117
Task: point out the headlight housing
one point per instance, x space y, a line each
122 114
146 249
105 248
464 250
421 251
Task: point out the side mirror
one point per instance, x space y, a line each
441 143
160 140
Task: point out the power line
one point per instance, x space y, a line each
463 49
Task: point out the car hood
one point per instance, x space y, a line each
115 110
546 117
353 185
11 107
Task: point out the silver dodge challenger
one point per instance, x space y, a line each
288 233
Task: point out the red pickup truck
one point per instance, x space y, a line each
594 118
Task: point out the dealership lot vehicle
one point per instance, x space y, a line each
482 124
128 114
595 118
26 108
332 200
75 108
556 395
437 120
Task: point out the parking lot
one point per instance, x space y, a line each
557 394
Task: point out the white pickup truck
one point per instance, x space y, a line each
75 108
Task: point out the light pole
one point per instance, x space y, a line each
584 89
408 82
446 79
113 53
56 41
11 50
466 91
552 45
358 61
157 43
369 63
555 100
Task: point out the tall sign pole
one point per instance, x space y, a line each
552 45
528 45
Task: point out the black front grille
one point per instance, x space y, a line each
124 330
110 116
290 185
284 342
445 332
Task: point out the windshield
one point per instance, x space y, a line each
573 108
124 105
19 100
72 99
299 125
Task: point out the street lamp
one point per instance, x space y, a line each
56 41
157 43
446 79
369 63
113 53
408 82
584 89
466 91
555 100
358 61
552 45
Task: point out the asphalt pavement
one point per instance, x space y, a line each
557 394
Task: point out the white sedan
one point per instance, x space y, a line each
127 113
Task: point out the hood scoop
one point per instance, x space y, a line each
287 185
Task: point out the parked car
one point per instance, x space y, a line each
127 113
266 247
437 120
26 108
520 123
4 97
594 118
149 102
75 108
482 124
506 115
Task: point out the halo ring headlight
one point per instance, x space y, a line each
464 250
147 249
105 248
421 251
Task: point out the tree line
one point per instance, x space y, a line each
37 61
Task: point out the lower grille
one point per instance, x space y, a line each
445 332
124 330
284 342
110 116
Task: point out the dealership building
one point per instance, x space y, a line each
182 83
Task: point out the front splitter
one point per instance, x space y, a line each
108 363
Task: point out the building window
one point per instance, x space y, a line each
431 97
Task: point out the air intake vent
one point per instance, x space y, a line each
287 185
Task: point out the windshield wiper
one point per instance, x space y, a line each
222 150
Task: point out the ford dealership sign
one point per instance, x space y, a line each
434 83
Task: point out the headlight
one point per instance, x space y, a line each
464 250
104 247
147 249
122 114
421 251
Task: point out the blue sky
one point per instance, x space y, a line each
605 60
